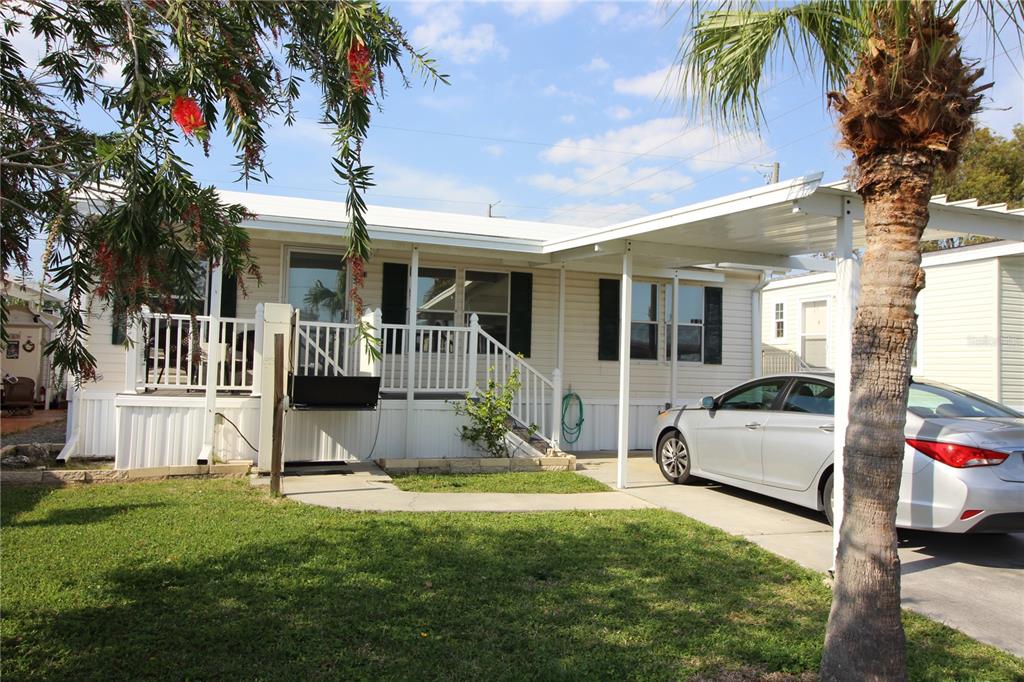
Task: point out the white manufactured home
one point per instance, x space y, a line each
970 320
455 300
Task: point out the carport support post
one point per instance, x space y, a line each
625 316
847 289
410 352
212 363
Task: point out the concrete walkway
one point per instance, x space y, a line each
974 583
368 488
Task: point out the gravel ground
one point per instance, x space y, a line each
47 433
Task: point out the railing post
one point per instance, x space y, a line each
474 336
410 349
368 364
257 352
134 355
277 318
556 409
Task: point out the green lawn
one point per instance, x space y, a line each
505 482
214 580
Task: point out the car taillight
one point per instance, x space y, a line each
959 456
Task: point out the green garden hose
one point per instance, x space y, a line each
571 433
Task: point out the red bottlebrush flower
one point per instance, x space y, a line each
186 114
359 69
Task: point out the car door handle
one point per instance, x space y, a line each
827 427
753 426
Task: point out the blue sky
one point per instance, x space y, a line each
562 112
550 108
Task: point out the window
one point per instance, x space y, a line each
780 320
690 318
435 297
811 397
317 285
759 396
487 295
814 333
643 330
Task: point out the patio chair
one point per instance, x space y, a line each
19 396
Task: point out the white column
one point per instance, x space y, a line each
277 319
410 352
625 317
366 359
674 341
847 290
133 356
212 363
560 362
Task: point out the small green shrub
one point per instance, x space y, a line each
488 414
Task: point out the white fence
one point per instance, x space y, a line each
325 348
778 361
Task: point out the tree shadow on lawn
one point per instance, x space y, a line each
304 593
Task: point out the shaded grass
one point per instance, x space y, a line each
213 580
503 482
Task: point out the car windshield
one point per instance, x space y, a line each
929 400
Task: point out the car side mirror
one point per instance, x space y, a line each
707 402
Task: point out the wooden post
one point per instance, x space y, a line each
275 453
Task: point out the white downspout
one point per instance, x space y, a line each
755 319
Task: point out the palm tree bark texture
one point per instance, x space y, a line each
905 112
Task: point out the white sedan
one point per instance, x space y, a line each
963 467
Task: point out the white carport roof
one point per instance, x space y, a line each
773 226
776 226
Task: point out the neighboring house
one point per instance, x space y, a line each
476 297
30 324
970 320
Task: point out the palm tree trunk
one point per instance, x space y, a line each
865 639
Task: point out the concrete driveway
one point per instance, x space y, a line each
974 583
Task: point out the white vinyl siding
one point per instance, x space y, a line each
1011 319
110 358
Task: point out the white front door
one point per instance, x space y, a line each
814 333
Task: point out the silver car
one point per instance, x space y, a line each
963 467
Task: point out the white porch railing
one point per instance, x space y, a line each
173 350
325 348
442 359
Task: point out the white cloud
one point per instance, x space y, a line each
494 150
567 118
442 31
538 11
555 91
659 83
606 11
596 64
619 112
609 163
307 132
112 73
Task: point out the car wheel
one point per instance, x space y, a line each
674 457
828 500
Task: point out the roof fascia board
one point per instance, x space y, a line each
973 254
393 234
761 197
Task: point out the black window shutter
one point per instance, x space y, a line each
118 329
608 320
229 296
712 325
394 293
520 313
394 297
